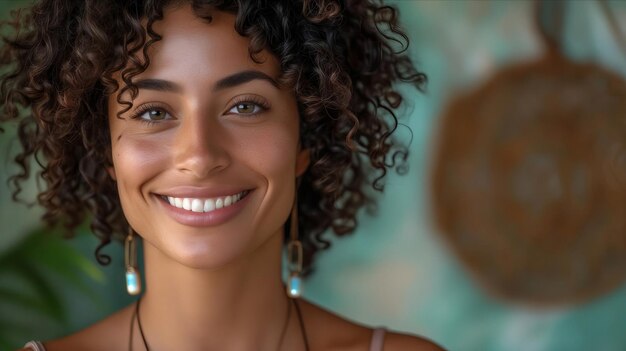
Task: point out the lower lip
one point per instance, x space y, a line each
203 219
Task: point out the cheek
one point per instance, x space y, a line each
274 158
272 152
136 161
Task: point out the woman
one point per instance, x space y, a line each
218 132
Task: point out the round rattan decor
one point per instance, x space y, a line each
529 181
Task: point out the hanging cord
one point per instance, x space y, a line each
613 25
553 11
282 333
280 342
302 328
132 328
552 35
145 343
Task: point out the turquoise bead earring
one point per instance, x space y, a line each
133 279
294 256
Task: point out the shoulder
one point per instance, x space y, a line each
104 335
398 341
329 331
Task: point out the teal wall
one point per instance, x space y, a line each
396 270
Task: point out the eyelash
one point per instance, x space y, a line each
245 99
255 100
141 110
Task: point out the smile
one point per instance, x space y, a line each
203 211
205 205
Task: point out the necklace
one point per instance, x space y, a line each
301 322
282 333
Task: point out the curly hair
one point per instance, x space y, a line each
337 55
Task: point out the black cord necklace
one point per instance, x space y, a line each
282 333
145 343
302 328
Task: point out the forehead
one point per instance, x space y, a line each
192 47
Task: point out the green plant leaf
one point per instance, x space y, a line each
52 304
37 261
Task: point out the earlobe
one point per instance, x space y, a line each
302 161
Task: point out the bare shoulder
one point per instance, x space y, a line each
327 330
108 334
330 331
398 341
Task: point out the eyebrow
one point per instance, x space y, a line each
241 78
158 85
224 83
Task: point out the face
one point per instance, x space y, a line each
207 158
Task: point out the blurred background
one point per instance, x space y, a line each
507 233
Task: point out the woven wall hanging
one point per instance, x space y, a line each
529 180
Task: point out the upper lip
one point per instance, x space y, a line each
201 192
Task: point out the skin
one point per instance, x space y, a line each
219 285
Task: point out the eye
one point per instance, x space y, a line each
151 114
246 108
154 114
248 105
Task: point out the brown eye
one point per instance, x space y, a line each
246 108
154 115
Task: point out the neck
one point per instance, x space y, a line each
241 306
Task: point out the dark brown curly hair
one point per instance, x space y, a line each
341 57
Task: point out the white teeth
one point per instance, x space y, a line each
204 205
209 205
197 205
187 204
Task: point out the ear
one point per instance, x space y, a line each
111 171
302 161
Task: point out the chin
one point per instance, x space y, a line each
205 256
211 253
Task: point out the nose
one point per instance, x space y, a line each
200 148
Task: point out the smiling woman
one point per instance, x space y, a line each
198 136
218 132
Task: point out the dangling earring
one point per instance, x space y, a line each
294 255
133 280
